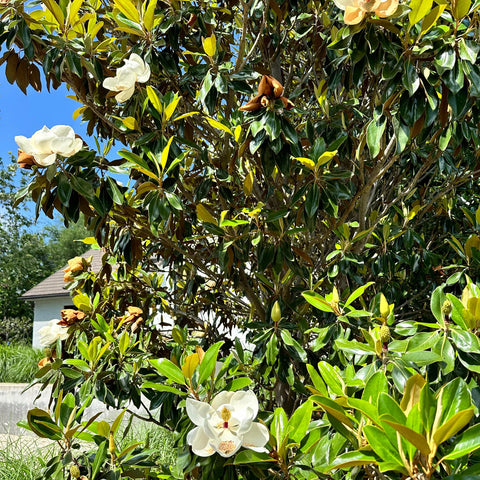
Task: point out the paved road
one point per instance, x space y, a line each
14 406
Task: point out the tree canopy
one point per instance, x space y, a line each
280 155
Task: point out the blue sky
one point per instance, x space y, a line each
22 114
25 114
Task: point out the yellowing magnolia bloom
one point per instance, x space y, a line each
355 10
47 143
226 424
52 332
134 70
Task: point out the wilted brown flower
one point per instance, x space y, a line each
25 160
134 316
70 316
77 264
49 358
268 89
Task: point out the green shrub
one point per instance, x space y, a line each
18 363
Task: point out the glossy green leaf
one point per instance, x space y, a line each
207 366
169 370
468 441
299 421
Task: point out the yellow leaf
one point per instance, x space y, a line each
134 31
130 123
238 132
321 91
414 211
204 215
149 17
191 363
324 158
419 9
216 124
94 30
307 162
431 19
185 115
78 112
248 184
411 396
89 241
154 100
210 45
164 157
171 108
460 8
128 8
55 10
73 9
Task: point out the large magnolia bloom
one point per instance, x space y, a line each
355 10
134 70
52 332
45 144
226 424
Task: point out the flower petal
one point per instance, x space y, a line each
221 399
387 8
353 16
24 143
124 95
256 438
368 5
226 444
245 401
63 131
199 442
198 411
45 159
144 75
342 4
41 141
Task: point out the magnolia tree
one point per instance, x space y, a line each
304 173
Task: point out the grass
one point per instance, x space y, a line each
18 363
22 460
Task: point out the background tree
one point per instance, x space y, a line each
28 256
352 171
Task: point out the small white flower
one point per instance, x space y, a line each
46 144
50 333
134 70
226 425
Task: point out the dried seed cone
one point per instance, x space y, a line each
384 333
75 471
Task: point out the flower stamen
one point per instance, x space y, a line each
226 414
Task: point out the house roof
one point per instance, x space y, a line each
54 285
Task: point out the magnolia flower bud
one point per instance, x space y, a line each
276 312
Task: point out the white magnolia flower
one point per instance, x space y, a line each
45 144
50 333
134 70
355 10
226 425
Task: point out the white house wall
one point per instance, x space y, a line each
45 310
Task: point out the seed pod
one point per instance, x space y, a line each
75 471
384 333
447 308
